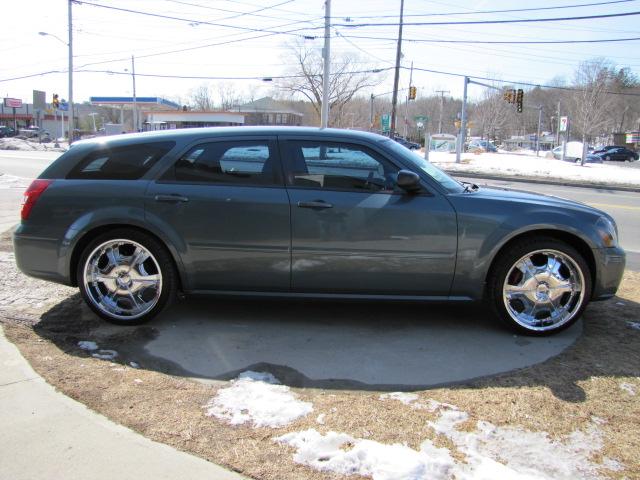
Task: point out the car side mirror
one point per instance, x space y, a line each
408 181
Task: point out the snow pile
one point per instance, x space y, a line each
11 181
406 398
490 452
13 143
258 398
514 165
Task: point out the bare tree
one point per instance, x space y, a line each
590 100
345 82
201 98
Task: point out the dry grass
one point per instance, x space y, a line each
558 396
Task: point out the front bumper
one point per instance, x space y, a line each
610 263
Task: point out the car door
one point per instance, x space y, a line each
355 232
226 200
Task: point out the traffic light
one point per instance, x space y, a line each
412 93
56 101
519 98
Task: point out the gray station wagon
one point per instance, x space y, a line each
300 212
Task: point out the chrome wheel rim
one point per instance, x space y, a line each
543 290
122 279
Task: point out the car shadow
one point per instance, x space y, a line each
379 346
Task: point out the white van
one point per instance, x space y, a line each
573 153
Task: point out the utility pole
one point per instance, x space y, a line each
558 125
538 134
70 71
326 53
463 121
135 105
394 100
441 92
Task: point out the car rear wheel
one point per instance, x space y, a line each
127 277
539 286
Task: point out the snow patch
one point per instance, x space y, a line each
258 398
531 166
490 452
11 181
406 398
320 419
340 453
105 354
634 325
87 345
629 388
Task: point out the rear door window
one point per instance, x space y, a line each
120 163
248 162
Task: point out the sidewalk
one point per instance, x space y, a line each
48 435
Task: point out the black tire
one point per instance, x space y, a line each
162 259
504 264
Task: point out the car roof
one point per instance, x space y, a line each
187 134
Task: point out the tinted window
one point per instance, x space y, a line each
338 166
120 163
244 162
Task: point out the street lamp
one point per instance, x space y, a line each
70 47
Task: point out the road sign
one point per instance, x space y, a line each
64 106
385 122
564 121
39 100
12 102
421 119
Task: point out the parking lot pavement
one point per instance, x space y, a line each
336 344
47 435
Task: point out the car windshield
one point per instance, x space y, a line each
434 172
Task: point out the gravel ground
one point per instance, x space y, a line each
590 382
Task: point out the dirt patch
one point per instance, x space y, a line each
590 382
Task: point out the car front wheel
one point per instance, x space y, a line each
539 286
127 277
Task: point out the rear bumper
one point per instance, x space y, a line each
39 256
610 263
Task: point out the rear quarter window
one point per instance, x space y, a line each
120 163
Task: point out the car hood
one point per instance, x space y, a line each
522 196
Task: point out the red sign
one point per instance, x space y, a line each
12 102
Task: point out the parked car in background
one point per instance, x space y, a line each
304 213
621 154
6 131
485 145
406 143
604 149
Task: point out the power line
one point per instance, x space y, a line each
489 22
253 13
191 21
502 42
510 10
513 82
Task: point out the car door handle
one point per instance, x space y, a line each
315 204
173 198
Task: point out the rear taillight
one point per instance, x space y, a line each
31 196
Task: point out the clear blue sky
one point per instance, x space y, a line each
101 35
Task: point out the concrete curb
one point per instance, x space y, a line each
48 435
544 181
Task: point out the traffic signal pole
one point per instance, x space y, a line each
463 122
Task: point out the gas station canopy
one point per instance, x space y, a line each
140 101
